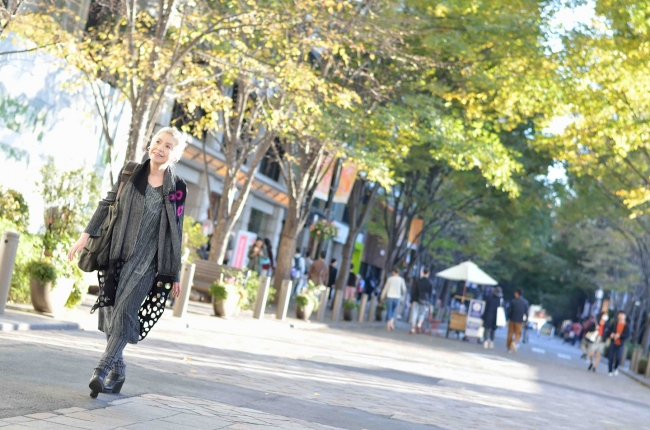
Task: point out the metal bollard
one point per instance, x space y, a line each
634 360
262 295
283 302
322 304
8 248
373 309
183 299
338 304
362 308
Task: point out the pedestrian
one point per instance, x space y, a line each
298 271
595 339
619 332
257 256
351 285
141 266
517 313
393 292
269 268
589 322
492 304
318 271
420 300
576 328
331 280
369 287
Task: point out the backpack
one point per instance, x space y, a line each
295 270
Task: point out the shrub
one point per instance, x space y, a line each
218 291
642 365
193 238
14 209
302 300
381 307
350 305
43 271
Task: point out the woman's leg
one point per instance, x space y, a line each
597 359
113 353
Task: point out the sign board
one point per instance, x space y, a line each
243 241
474 324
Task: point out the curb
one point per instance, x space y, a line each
7 326
638 378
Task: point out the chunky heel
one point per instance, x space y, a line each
118 386
97 383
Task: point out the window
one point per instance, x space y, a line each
259 223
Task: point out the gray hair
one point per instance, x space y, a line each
181 143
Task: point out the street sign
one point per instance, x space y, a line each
474 324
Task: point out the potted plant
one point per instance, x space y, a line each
381 312
226 296
349 308
49 294
307 301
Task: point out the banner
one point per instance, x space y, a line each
243 241
474 325
346 182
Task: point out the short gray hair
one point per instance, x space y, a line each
181 143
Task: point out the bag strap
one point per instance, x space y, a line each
126 173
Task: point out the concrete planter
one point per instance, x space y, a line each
303 313
349 314
47 299
226 308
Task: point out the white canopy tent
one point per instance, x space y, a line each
468 272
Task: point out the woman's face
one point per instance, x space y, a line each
161 149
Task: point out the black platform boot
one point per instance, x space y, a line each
97 383
113 383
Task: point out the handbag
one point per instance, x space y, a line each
592 336
501 317
95 245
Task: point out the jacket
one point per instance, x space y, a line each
421 291
518 309
125 233
394 288
318 272
492 303
611 328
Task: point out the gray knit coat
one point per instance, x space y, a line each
129 217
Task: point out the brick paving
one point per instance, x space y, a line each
411 380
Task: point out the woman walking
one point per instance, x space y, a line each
595 338
142 262
394 291
492 303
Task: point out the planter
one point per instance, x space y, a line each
381 315
303 313
349 314
226 308
47 299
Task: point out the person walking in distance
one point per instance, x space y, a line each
351 285
269 268
492 303
517 313
257 256
393 292
594 337
298 271
618 333
331 279
318 271
141 265
420 300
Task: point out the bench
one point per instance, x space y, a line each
205 273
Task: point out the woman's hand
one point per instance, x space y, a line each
81 244
176 289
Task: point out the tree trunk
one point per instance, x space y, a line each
138 130
346 260
287 247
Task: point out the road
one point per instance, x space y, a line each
240 373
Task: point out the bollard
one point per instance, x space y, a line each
283 302
373 309
183 299
623 356
8 248
262 295
322 304
362 308
338 304
647 368
634 360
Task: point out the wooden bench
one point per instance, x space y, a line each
205 273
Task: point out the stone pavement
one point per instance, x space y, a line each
345 376
157 412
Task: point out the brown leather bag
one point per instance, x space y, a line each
88 256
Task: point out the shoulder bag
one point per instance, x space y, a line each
88 256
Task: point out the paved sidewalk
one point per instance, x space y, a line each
20 318
150 411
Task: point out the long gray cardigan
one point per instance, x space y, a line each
125 233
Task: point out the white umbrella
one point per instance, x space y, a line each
467 271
